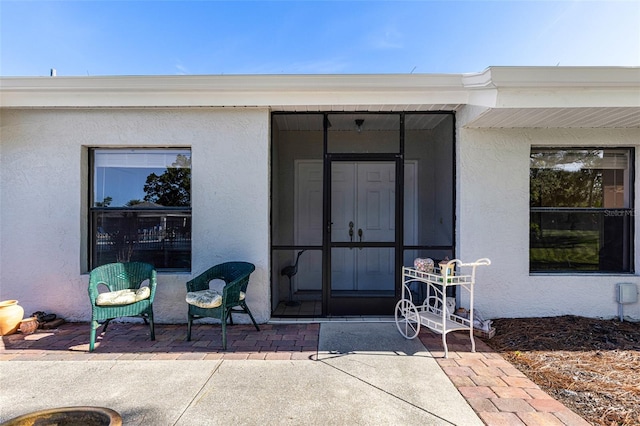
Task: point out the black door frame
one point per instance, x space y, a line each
399 157
359 305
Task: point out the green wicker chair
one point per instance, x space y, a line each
125 296
232 300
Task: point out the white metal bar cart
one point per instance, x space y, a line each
433 312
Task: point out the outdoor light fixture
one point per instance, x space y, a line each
359 123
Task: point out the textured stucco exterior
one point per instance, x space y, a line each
493 222
44 196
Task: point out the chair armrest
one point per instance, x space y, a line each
93 289
153 282
231 291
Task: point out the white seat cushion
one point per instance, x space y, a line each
207 299
123 297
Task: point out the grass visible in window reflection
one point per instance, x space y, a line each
565 250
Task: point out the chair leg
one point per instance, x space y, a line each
152 331
92 338
224 334
105 325
246 309
189 322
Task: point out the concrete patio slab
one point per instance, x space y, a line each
143 393
382 359
298 393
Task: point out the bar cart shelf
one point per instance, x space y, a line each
433 312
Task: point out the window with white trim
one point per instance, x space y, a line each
581 210
141 207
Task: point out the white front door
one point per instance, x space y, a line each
363 209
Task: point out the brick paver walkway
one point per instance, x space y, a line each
497 391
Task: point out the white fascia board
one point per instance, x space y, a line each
232 91
554 87
564 77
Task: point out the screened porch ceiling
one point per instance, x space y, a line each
372 122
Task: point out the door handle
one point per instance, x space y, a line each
351 231
360 234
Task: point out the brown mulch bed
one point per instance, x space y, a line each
590 365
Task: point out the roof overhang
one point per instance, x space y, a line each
500 96
555 97
277 91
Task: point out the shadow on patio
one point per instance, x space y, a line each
131 341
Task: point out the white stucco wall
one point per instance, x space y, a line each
44 195
493 222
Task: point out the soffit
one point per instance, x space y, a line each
594 117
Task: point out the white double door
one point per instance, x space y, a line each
362 211
363 206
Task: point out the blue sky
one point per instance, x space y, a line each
90 37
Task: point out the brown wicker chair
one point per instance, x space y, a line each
232 300
129 301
